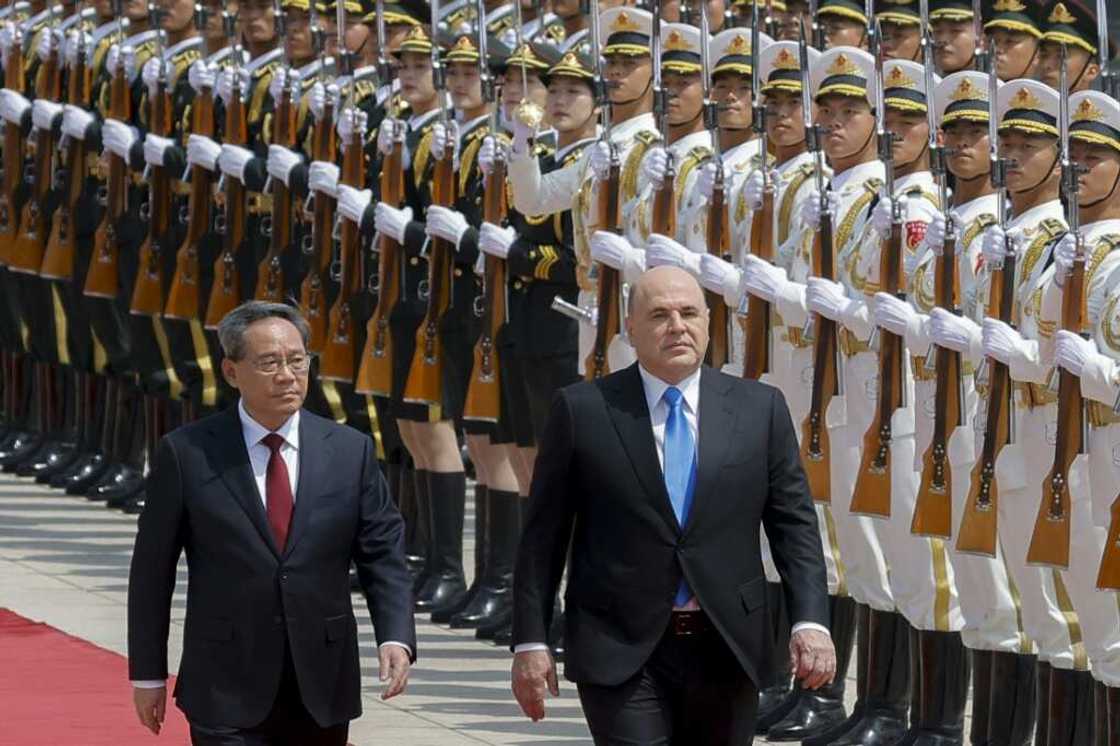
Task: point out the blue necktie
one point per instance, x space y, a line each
680 468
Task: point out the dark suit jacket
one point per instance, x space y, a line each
598 487
244 597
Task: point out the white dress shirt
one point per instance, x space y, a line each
658 413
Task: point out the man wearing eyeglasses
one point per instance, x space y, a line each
271 504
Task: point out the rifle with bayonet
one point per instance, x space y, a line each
270 272
225 293
183 299
425 375
872 494
147 292
756 356
14 79
933 508
816 454
313 291
101 277
719 214
981 59
1050 541
30 243
1107 76
978 528
375 373
484 393
664 218
609 319
337 360
58 260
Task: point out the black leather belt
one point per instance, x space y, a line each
687 623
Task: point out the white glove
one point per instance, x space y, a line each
444 136
1072 352
600 160
763 279
44 112
662 251
317 101
706 179
1064 255
282 78
752 188
202 151
491 151
811 208
996 243
351 121
827 298
76 40
389 134
150 74
119 56
322 177
391 221
232 161
445 223
226 81
46 45
155 149
352 203
896 316
281 161
610 248
12 39
118 137
202 76
723 277
495 240
881 216
654 166
13 106
75 121
1000 341
935 233
954 332
522 134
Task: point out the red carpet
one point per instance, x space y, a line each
56 689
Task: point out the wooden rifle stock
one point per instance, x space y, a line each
979 523
183 299
147 292
719 244
1050 541
313 291
58 260
225 293
13 164
375 373
872 494
484 393
815 448
101 278
338 353
31 241
1108 577
933 507
756 356
609 321
425 374
270 276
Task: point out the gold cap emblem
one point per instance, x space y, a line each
1087 112
1008 6
966 91
899 79
786 61
676 42
1024 99
623 22
1061 14
843 66
739 45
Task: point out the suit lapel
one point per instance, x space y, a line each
314 463
232 460
626 402
717 420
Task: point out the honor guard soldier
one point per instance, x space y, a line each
841 23
1073 25
900 28
1014 31
956 33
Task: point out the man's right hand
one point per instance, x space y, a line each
534 673
151 706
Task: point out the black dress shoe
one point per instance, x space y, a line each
504 637
134 505
59 479
124 493
774 702
117 478
810 716
55 455
20 448
85 475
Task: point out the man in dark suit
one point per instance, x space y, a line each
658 478
271 505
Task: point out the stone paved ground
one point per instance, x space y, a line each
64 561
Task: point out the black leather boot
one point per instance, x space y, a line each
1042 698
494 598
1100 713
888 683
1013 699
775 698
423 500
403 482
60 421
817 712
28 438
863 617
81 479
944 671
446 584
1071 708
981 697
1113 716
481 555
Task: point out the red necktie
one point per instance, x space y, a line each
278 491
